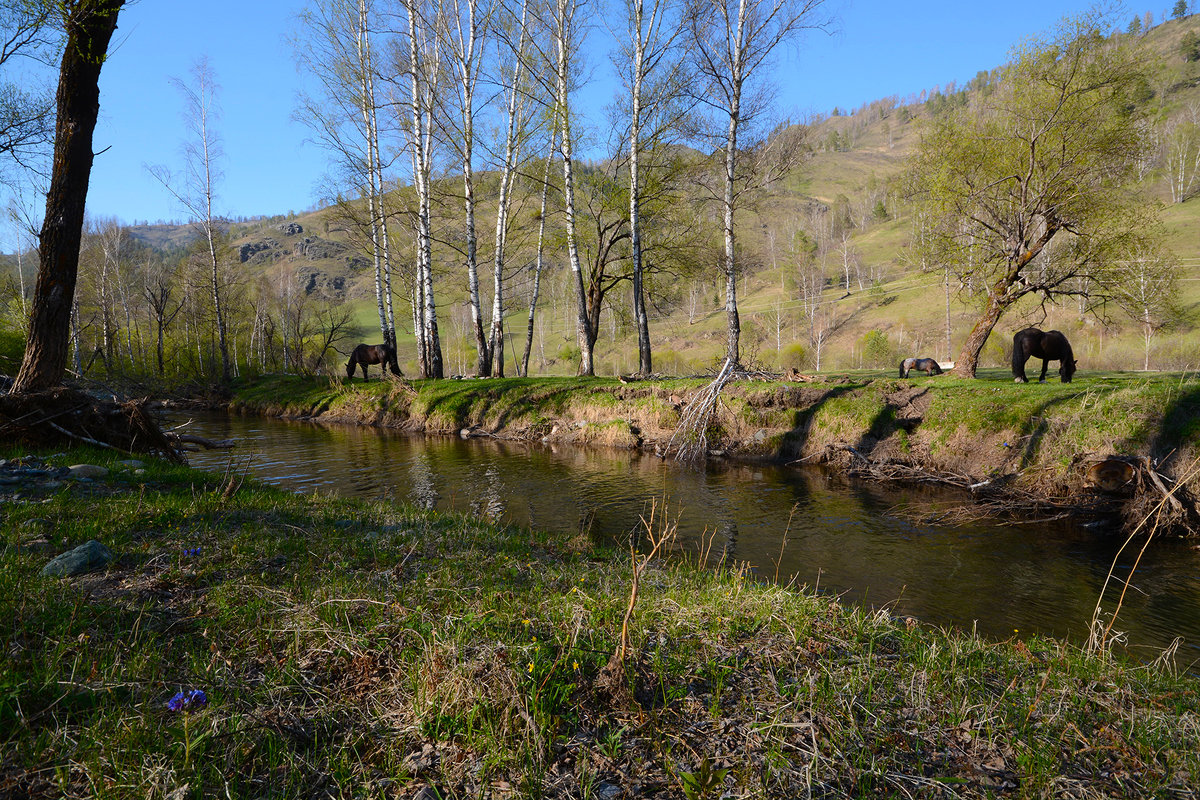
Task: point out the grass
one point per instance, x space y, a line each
350 649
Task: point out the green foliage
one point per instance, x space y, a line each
876 349
794 356
1180 10
1189 46
1135 26
1052 151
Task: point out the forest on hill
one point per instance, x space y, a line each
525 261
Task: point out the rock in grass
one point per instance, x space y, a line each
87 471
85 558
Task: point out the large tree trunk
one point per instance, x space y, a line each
89 28
968 357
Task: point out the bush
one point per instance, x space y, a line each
876 350
794 356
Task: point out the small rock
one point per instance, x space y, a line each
465 433
607 791
85 558
139 472
87 471
52 485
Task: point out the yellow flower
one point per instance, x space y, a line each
575 664
531 667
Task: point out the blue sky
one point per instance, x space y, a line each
879 49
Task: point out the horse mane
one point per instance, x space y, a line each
1067 362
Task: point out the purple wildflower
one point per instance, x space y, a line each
188 701
191 551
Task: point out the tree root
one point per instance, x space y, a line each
65 417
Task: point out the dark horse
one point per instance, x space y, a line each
929 366
372 354
1046 345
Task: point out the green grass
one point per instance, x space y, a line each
367 650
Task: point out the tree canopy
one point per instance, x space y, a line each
1029 190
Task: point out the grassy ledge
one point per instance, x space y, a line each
1040 435
349 649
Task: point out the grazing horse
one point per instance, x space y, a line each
366 354
1046 345
929 366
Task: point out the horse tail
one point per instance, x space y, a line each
903 371
1018 353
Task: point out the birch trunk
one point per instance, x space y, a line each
507 177
564 13
537 270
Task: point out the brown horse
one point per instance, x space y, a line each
929 366
366 354
1046 345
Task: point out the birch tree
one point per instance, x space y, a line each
195 189
339 52
539 257
419 60
652 77
464 26
515 87
732 42
565 46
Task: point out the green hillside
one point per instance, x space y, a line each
842 198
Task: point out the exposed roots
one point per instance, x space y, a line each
1141 492
65 417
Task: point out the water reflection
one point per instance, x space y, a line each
841 537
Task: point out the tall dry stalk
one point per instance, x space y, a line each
1100 635
660 532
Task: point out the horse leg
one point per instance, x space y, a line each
1045 364
1019 373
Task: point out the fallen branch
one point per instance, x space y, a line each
180 440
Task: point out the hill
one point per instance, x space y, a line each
828 281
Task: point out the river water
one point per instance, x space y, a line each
852 539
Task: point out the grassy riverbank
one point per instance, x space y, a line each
349 649
985 428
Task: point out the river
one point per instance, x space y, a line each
846 538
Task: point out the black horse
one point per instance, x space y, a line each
1046 345
366 354
929 366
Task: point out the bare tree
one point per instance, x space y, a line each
731 41
652 77
539 259
339 52
419 63
464 26
515 87
89 26
196 188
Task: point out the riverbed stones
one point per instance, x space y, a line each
90 556
87 471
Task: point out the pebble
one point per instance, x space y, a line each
87 471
